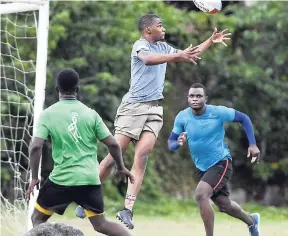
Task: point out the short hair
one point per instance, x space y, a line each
198 85
54 229
146 21
67 80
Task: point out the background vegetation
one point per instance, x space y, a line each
250 75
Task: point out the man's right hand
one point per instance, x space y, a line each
182 138
190 54
125 172
30 190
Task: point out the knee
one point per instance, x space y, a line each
201 195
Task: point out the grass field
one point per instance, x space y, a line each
175 218
161 226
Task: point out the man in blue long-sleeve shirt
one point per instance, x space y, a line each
202 126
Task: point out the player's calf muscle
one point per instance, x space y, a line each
38 218
140 162
102 225
224 207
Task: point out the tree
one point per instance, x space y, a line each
250 75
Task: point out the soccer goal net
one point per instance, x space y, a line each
24 38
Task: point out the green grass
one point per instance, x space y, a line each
177 218
175 209
181 218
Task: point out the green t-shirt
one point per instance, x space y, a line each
74 129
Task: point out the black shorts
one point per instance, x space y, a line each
217 177
56 198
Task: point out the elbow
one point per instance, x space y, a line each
246 119
34 148
173 145
114 146
148 61
170 146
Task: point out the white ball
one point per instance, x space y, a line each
210 6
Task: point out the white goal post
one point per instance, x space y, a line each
11 60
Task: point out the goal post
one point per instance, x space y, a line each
40 80
23 82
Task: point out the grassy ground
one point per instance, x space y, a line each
161 226
177 218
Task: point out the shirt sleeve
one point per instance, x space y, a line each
170 49
101 130
139 46
42 130
178 127
226 114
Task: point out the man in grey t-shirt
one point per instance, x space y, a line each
140 115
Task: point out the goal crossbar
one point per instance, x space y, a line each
15 6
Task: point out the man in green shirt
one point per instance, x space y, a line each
74 129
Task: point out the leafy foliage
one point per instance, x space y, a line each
249 75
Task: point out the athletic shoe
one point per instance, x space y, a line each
254 229
80 212
125 216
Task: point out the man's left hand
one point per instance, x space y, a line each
220 37
254 152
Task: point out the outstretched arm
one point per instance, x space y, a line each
216 37
150 58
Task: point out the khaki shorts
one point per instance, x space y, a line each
134 118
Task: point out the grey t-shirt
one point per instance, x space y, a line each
147 81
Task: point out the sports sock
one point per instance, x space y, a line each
129 201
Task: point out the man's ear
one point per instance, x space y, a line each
77 89
206 99
148 30
57 88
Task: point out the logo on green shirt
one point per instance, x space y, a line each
72 128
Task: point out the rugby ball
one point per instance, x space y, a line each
209 6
